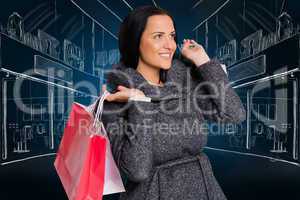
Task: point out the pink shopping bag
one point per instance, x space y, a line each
84 162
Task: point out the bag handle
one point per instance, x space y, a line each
100 107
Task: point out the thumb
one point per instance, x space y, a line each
104 88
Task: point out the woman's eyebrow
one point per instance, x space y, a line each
161 32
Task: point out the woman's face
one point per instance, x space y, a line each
157 45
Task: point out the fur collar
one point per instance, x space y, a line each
129 77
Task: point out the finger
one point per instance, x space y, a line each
122 88
186 43
190 46
114 97
109 97
197 44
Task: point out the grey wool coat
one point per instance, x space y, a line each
158 145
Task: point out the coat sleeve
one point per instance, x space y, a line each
216 99
131 144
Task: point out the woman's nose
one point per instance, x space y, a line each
168 43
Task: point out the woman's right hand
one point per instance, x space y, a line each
123 94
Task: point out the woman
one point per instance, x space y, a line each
158 144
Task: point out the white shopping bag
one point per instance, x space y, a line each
112 182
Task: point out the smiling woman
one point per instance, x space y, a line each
146 31
157 47
158 145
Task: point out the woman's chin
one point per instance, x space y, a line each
166 65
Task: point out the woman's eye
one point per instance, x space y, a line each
158 36
173 36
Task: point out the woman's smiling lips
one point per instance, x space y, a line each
165 55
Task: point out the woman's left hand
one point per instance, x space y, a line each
194 52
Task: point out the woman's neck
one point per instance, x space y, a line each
151 74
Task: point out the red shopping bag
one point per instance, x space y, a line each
80 160
84 160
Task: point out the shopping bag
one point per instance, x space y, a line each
112 181
84 161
